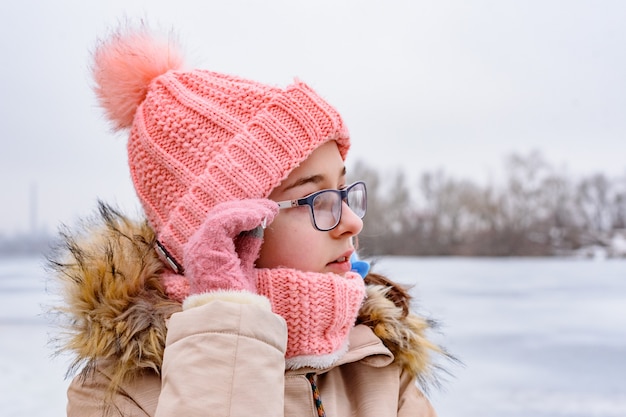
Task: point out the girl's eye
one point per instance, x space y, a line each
318 202
323 201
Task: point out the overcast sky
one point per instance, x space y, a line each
422 85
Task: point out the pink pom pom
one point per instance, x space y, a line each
124 65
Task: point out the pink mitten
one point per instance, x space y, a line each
221 253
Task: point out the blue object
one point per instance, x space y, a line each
358 266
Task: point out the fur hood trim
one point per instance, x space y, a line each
115 308
405 335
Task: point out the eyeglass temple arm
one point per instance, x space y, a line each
288 204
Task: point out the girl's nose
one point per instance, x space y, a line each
350 224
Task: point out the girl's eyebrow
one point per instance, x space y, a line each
314 179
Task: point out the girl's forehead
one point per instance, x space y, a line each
323 165
325 160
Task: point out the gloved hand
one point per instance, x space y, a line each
221 253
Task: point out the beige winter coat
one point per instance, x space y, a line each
141 354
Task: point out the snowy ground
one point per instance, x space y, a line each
32 382
540 338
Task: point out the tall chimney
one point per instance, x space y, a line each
33 209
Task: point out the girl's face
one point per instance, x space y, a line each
291 241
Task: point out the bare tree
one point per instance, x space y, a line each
375 232
534 211
593 200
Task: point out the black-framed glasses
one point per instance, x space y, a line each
325 205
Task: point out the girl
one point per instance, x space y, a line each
237 295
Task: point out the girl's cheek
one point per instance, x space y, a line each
294 219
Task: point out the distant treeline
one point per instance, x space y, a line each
532 211
26 245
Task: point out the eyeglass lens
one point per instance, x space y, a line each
327 205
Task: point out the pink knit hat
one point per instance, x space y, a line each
198 138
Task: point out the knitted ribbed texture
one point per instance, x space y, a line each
198 137
320 309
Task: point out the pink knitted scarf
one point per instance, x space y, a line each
320 309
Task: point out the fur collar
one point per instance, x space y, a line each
115 307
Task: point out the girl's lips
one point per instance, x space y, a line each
342 264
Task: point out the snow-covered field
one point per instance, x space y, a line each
538 337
